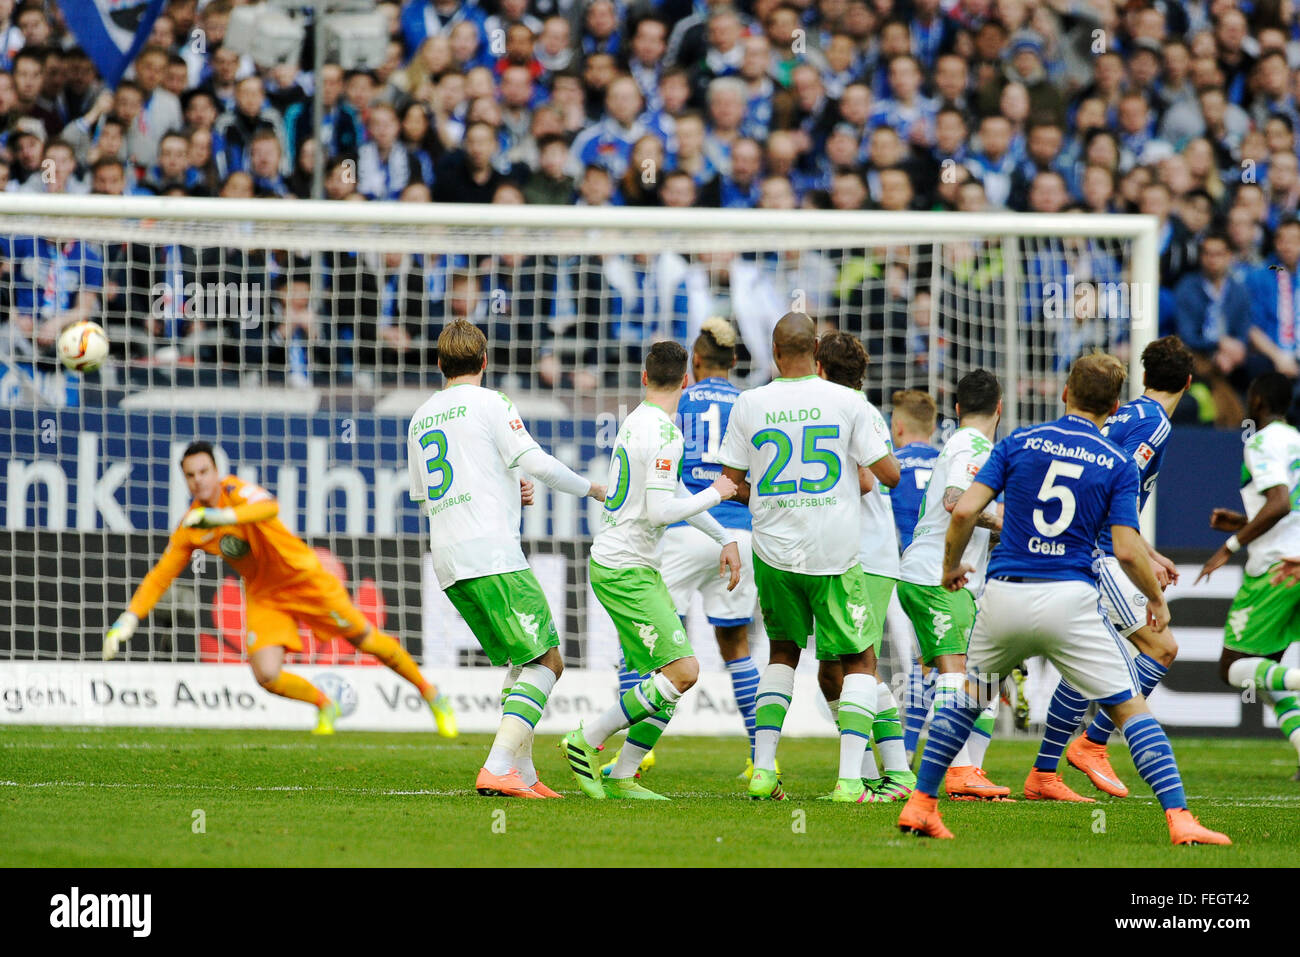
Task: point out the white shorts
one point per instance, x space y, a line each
690 564
1061 620
1123 601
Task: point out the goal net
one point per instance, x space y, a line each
299 337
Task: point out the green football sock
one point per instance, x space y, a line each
641 739
1287 709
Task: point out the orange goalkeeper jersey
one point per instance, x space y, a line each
268 556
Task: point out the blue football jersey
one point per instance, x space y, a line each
915 463
1141 429
703 412
1063 482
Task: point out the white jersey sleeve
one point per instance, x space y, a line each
878 553
512 438
961 459
1272 458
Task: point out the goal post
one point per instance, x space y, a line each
298 337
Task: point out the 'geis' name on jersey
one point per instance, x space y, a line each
461 447
1141 428
704 411
1063 482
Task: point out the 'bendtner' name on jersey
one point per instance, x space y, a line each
1062 483
801 442
704 411
462 446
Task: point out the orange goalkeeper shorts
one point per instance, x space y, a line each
324 606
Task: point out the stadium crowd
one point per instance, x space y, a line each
1186 111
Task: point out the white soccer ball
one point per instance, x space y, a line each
83 346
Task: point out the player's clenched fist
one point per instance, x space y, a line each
208 517
119 634
597 492
725 486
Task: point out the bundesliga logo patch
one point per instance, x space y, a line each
972 469
516 425
1143 455
664 465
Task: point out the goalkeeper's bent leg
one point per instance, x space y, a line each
387 649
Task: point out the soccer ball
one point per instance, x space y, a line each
83 346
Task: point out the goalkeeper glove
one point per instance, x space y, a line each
208 517
119 634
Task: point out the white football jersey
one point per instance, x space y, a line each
1272 458
961 459
461 447
801 441
647 455
878 553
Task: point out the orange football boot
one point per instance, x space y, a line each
921 817
969 783
1185 829
544 791
1090 758
1047 786
503 785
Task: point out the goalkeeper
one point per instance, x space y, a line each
284 584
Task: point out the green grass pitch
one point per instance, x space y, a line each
132 797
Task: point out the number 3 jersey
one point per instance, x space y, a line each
801 441
1062 483
462 446
963 455
1272 457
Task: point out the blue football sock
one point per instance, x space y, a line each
916 705
1150 672
1154 758
1063 716
954 717
744 684
627 679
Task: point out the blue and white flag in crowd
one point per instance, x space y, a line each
111 31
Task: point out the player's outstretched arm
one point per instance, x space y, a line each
553 473
964 515
1277 506
665 507
151 588
247 514
1131 553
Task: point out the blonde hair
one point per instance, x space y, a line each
716 343
461 349
916 409
1095 382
